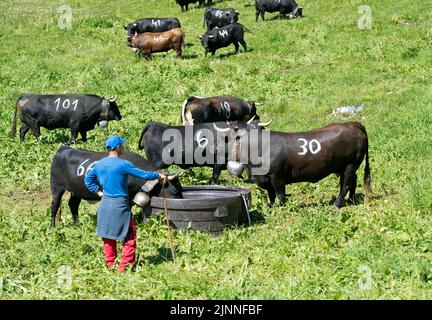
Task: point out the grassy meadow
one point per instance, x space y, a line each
302 69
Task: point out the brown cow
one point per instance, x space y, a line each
150 42
313 155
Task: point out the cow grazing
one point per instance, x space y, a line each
313 155
219 17
69 167
151 140
151 25
219 108
223 37
282 6
79 112
184 4
151 42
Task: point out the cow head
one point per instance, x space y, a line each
298 12
206 39
110 110
234 17
253 110
132 29
172 189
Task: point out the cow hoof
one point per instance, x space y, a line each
339 203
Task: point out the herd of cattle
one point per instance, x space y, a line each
151 35
293 156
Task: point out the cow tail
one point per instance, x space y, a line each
14 121
245 29
367 175
144 130
183 112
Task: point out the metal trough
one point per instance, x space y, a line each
205 208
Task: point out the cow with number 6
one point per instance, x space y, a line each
79 112
70 166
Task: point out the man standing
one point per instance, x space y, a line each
114 217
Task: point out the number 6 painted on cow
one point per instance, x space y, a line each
202 142
81 169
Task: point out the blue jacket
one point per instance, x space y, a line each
114 212
112 174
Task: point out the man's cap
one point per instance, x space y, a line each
113 142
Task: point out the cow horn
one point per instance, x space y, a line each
250 120
220 129
112 99
237 12
265 124
199 37
181 173
125 26
258 103
135 24
211 37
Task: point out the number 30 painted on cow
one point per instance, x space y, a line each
313 146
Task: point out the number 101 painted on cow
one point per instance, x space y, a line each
66 104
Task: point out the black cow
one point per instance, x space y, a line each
198 142
79 112
69 167
223 37
219 108
313 155
151 25
214 17
282 6
184 4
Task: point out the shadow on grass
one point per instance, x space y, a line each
285 17
233 53
164 255
359 199
257 218
189 56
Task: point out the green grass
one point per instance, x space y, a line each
302 69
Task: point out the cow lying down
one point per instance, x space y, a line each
69 167
311 156
151 42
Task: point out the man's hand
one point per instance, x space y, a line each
163 179
100 193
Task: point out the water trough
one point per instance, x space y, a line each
205 208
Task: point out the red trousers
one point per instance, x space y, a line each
128 251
